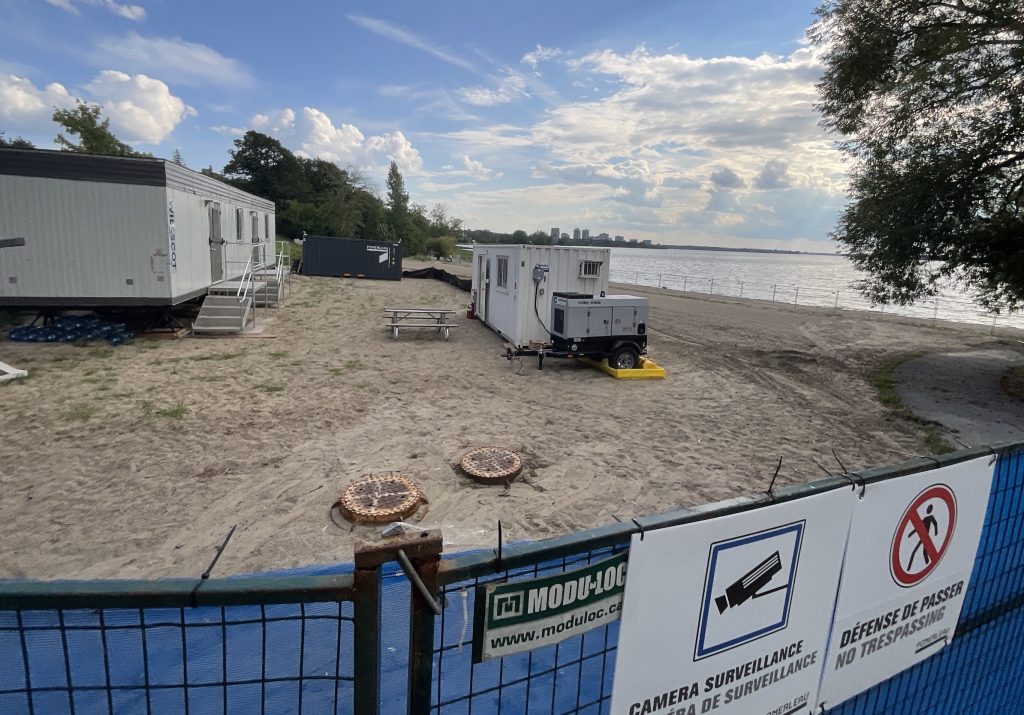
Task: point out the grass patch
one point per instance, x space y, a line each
210 378
884 382
147 408
279 354
272 388
353 364
336 371
220 356
1012 382
80 412
179 410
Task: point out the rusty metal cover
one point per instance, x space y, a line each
379 499
491 465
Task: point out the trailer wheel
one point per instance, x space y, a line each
624 357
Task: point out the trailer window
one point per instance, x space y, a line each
503 272
266 226
239 216
255 227
216 235
590 269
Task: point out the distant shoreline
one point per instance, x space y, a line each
664 246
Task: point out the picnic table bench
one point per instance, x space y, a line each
436 319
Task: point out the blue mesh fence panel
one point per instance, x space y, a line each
273 658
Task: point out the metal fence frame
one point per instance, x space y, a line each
427 645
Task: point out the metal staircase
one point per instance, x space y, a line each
230 305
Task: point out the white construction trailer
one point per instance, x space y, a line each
130 232
512 285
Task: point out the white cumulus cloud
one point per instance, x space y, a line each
25 106
345 144
276 122
140 108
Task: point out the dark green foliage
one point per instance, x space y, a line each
94 135
928 94
16 142
260 164
440 246
177 158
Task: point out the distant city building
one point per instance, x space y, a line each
575 234
620 239
565 236
555 233
605 236
633 242
586 234
646 243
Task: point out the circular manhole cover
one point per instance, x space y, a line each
491 465
379 499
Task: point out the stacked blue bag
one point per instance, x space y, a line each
73 329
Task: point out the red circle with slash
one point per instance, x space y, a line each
911 523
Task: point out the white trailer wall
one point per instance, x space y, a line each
192 195
84 239
510 310
119 231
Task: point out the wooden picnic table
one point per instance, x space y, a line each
437 319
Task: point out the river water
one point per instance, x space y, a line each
825 281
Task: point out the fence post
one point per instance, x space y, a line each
741 289
684 284
836 306
636 278
712 286
773 292
421 623
366 636
796 297
935 315
659 280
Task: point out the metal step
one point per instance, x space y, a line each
211 321
231 287
222 311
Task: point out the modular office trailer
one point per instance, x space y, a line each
344 257
118 231
512 285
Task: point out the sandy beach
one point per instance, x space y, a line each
136 461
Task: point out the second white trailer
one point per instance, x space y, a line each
512 285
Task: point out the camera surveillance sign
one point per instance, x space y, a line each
513 617
732 614
747 594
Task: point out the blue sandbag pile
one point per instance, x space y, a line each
74 329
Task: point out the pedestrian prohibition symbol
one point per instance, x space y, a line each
923 535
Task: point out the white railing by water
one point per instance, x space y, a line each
937 308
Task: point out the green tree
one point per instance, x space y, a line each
16 142
262 165
94 135
520 236
440 246
398 197
177 158
927 94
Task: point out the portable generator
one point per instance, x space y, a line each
613 327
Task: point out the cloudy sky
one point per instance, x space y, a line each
679 121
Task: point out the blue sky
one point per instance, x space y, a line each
682 122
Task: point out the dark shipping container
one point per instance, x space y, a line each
351 257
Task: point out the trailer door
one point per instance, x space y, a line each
216 244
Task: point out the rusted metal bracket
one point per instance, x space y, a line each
422 545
